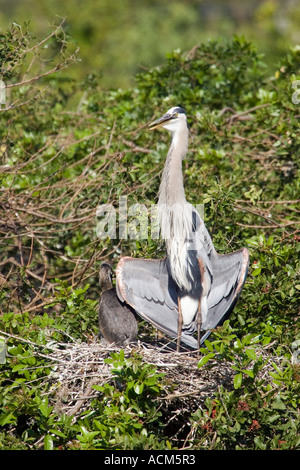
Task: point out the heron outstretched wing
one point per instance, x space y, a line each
147 286
229 275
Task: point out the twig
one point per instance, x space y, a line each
58 67
81 399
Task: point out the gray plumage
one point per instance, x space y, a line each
117 323
194 288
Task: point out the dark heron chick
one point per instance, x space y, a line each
117 323
194 288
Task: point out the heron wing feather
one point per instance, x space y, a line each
229 275
147 286
226 274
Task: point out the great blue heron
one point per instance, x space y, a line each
117 323
194 288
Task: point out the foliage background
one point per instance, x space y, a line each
117 39
71 140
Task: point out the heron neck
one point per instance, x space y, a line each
105 284
171 188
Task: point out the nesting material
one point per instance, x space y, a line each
76 367
80 366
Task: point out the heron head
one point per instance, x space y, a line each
105 275
173 120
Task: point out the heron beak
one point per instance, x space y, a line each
159 122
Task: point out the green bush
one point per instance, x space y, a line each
255 414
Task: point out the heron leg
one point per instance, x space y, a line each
199 325
180 322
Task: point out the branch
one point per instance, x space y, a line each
58 67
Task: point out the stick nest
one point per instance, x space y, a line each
80 366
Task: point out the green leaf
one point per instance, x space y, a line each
209 345
138 388
272 418
204 360
57 433
266 340
256 272
238 344
44 408
122 355
238 378
19 367
48 442
86 436
251 354
249 372
259 443
278 404
7 418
